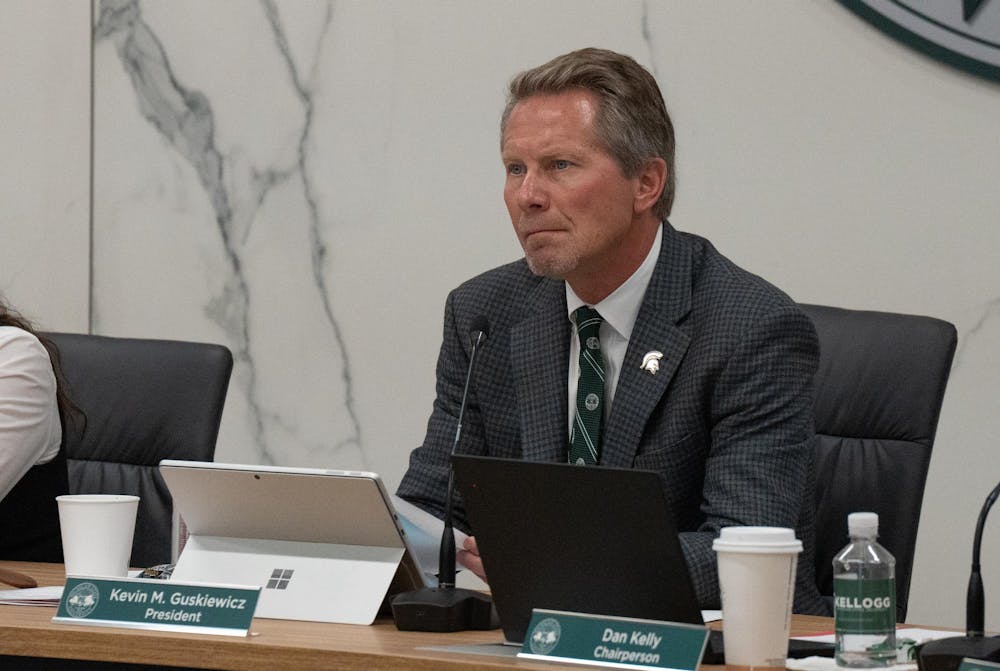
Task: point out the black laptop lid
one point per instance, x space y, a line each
578 538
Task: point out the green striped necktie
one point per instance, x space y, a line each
585 444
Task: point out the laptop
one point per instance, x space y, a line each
584 539
324 545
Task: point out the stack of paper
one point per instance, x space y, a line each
33 596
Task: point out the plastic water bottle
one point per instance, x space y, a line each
864 597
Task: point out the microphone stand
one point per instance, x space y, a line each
446 560
946 654
447 608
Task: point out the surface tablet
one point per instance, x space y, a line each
324 545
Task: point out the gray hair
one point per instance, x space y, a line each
632 121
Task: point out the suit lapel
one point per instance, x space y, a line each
666 302
539 356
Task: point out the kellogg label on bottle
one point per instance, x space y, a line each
864 606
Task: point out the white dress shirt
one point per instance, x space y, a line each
619 311
30 432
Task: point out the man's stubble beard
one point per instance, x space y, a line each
556 267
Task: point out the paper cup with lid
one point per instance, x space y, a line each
757 579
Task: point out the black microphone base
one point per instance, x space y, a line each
449 609
946 654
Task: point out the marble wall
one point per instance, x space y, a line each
305 180
45 160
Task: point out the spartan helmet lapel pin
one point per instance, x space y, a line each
651 362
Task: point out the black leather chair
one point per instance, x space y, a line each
879 389
142 401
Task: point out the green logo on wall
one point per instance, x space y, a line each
962 33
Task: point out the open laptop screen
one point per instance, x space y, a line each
583 539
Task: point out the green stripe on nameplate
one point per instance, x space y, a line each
978 665
138 603
618 642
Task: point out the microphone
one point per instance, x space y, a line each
479 332
445 607
946 654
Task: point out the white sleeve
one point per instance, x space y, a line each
30 431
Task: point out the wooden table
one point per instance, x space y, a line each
274 645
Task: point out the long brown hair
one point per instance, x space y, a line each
11 317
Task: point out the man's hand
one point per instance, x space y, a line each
468 557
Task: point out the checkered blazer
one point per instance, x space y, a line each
727 421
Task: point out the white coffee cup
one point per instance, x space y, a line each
97 532
757 579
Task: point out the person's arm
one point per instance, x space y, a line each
426 480
761 438
30 431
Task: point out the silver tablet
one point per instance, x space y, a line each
324 545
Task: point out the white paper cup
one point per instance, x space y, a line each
757 579
97 532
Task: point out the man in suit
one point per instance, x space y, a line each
704 371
